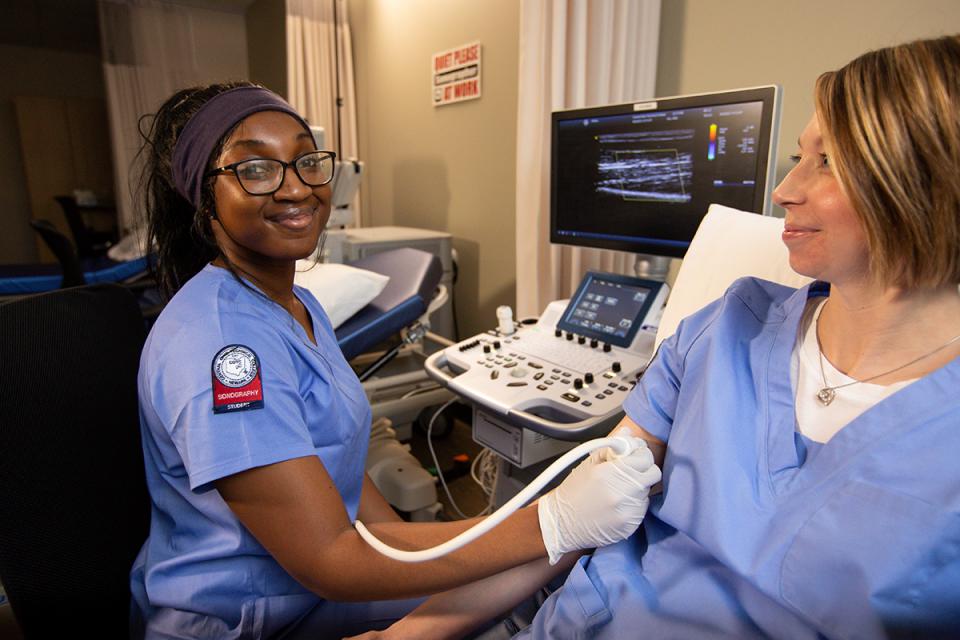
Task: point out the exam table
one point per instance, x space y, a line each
394 325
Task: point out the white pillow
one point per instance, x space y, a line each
341 289
729 244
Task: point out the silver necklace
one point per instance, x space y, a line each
827 394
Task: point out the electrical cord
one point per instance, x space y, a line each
436 463
453 300
483 470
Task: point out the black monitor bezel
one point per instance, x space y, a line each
768 95
590 276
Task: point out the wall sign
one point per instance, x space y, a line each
456 74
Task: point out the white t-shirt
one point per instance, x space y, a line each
814 420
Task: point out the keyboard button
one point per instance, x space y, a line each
572 397
608 392
587 403
542 387
538 375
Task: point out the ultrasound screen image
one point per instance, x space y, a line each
651 175
640 167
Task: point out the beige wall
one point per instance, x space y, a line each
220 36
448 168
453 168
707 45
266 44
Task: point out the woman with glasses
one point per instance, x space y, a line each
255 428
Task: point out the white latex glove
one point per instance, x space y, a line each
602 501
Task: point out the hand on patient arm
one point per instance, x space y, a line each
602 501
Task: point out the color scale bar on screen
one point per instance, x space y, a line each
712 149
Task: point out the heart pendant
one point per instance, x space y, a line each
826 396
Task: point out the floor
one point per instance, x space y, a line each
455 450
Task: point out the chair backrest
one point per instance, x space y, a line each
729 244
74 508
89 242
63 250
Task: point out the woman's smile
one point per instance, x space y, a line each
294 219
793 233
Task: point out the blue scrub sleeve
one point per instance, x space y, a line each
652 404
214 445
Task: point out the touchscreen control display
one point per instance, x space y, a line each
608 307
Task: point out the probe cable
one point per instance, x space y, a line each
621 446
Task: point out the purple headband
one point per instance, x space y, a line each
203 131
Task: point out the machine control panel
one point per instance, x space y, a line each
568 371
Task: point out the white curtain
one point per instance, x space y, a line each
148 53
320 70
573 53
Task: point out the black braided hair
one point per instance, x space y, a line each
180 232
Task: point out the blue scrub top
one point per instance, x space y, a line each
761 532
201 573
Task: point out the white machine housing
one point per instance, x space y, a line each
552 378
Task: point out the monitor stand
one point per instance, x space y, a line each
650 267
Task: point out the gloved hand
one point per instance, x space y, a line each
602 501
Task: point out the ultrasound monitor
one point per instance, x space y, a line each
639 177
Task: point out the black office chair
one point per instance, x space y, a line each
74 508
90 243
63 251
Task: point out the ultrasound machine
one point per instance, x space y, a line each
634 177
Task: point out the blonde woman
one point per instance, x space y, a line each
808 438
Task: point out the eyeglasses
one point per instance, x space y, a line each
263 176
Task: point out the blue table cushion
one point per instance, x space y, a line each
19 280
414 276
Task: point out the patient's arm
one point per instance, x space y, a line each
455 613
657 446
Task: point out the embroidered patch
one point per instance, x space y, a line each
236 380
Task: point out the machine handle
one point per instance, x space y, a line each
576 431
434 366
